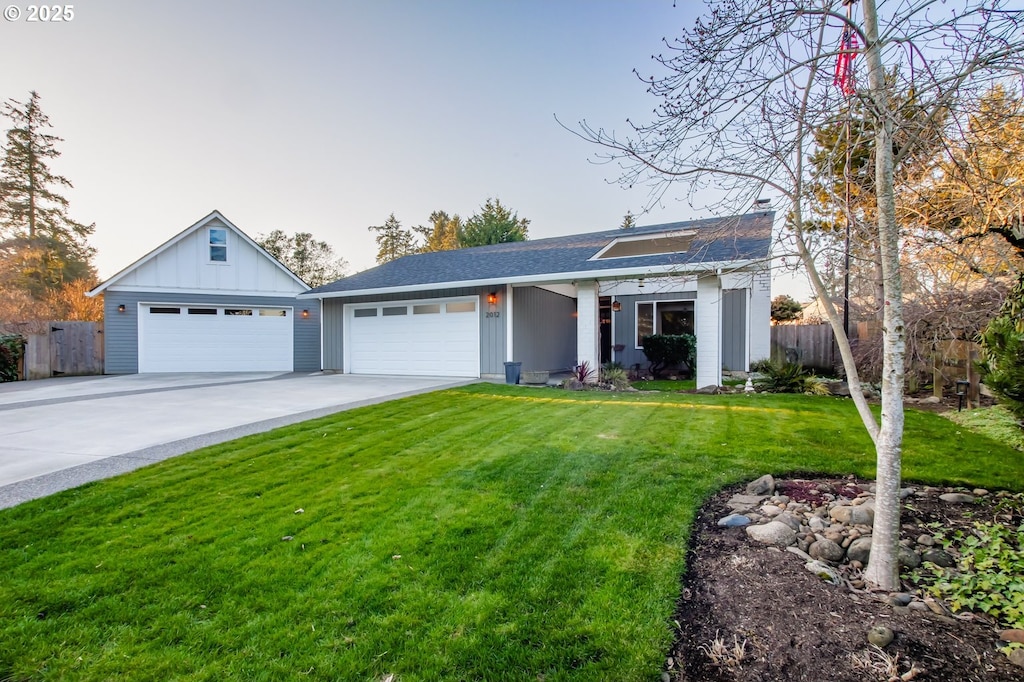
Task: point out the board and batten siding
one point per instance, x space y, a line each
543 329
734 330
185 265
492 328
121 330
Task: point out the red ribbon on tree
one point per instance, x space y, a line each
844 63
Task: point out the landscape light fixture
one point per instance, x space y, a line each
492 298
120 308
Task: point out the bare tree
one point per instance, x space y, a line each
741 97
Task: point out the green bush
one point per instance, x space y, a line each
667 350
783 377
12 349
1002 347
989 574
613 374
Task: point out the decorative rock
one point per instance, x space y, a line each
880 636
800 553
734 521
937 556
745 502
762 486
932 400
823 571
980 492
833 535
906 492
817 524
859 549
789 520
853 515
908 558
1012 636
917 606
957 498
926 540
770 510
1017 657
902 598
772 533
826 550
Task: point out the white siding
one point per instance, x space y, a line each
185 266
761 316
588 348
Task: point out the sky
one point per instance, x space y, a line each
326 117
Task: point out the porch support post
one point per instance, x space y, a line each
588 325
708 325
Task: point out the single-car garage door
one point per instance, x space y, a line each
224 338
424 338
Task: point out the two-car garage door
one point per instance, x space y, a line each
438 337
215 338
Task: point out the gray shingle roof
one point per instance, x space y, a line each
718 240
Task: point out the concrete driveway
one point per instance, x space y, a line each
59 433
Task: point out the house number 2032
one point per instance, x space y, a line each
493 313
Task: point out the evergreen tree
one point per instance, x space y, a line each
495 224
37 237
314 261
442 234
628 221
393 240
786 308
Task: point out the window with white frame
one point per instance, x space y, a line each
663 317
218 245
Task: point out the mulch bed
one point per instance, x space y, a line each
792 625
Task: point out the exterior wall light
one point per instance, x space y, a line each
492 298
120 308
616 306
305 313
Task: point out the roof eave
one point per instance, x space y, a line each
550 278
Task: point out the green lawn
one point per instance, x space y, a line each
485 533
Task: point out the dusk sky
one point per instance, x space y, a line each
326 117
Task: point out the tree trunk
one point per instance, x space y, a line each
883 566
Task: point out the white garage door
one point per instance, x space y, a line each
198 338
423 338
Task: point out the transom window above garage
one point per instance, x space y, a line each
218 245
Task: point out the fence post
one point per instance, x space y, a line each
973 391
937 378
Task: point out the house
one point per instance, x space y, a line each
551 303
209 299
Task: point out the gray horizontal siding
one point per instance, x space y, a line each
492 329
121 330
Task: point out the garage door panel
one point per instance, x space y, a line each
218 342
426 341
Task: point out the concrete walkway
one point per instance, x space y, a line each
56 434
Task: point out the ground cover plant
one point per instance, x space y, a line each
489 532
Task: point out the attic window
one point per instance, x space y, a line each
646 245
218 245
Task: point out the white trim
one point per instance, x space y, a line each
656 302
541 278
508 323
649 236
181 235
204 292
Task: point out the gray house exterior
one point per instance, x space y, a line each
552 303
208 300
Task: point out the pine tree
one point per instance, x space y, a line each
38 239
393 241
495 224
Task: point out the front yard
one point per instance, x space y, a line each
485 533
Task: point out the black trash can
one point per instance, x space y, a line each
512 370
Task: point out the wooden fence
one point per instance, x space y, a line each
814 346
56 349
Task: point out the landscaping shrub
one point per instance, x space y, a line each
1002 346
12 349
667 350
613 374
783 377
